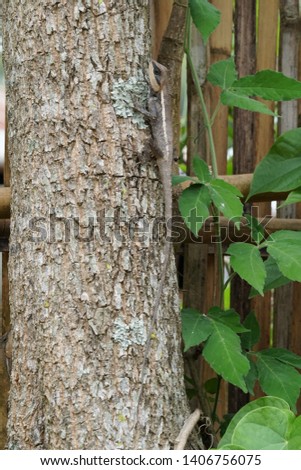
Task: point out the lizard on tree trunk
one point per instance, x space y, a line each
160 114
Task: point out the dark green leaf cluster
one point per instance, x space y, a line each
196 200
227 347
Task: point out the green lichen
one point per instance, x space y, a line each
128 93
129 334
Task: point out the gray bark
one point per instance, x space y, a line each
81 310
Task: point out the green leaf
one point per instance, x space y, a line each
294 440
275 402
226 199
211 385
229 318
232 447
269 85
205 17
280 169
252 336
222 73
263 429
283 355
251 377
284 247
257 230
231 98
195 328
278 379
274 278
223 352
194 205
292 198
201 170
246 261
179 179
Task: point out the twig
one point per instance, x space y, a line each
186 430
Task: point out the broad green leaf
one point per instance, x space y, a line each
222 73
280 169
195 328
274 278
275 402
294 440
278 379
257 230
179 179
201 170
229 318
292 198
226 186
247 263
231 447
226 199
223 352
231 98
283 355
251 377
294 443
269 85
263 429
252 336
194 205
284 247
205 17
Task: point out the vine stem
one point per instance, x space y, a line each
213 415
208 125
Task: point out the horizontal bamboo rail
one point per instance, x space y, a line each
241 182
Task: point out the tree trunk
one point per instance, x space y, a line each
83 267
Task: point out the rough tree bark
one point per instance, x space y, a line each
83 271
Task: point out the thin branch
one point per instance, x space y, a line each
186 430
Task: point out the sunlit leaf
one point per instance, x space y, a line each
278 379
284 247
222 73
274 278
269 85
194 205
201 170
280 169
223 352
205 17
195 327
246 261
231 98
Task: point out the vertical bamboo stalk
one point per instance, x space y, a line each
159 16
220 49
243 141
264 132
289 42
195 257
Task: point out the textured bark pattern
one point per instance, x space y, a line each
81 309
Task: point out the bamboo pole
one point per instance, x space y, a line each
220 49
285 308
243 146
268 13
